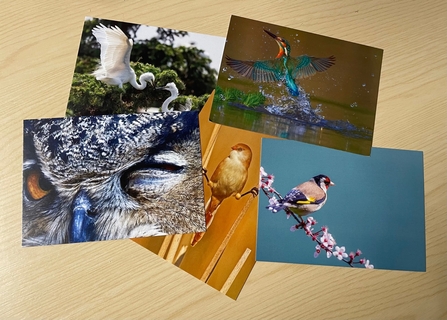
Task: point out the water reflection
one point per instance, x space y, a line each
310 128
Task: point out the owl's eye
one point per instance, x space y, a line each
36 185
157 173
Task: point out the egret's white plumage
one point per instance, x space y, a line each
172 88
115 59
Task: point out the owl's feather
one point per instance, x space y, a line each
140 173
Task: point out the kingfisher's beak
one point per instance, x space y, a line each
281 44
274 36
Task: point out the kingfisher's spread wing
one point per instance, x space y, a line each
305 66
258 71
115 47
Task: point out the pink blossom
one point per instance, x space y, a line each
310 222
262 172
294 228
317 251
327 240
266 180
340 253
368 266
273 201
308 231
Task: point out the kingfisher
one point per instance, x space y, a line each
283 68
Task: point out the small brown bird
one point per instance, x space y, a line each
228 180
305 198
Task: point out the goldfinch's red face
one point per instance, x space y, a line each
323 181
328 182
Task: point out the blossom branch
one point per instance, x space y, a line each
325 241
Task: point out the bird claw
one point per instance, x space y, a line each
204 171
254 191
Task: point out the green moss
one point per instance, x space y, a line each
254 99
234 95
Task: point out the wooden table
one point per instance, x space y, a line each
121 279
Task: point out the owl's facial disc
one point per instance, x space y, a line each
157 173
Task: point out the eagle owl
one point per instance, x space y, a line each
111 177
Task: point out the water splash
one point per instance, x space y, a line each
300 109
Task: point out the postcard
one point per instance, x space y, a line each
224 255
326 207
298 85
111 177
129 68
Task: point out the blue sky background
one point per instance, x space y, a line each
377 205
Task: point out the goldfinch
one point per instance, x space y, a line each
305 198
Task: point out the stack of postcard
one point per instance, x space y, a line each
216 153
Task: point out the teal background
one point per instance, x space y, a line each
377 205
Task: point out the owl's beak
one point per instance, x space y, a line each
82 226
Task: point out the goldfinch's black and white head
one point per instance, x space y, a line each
323 181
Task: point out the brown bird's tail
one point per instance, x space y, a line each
210 209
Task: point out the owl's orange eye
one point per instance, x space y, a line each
37 188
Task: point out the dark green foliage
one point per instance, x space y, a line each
187 67
190 63
234 95
169 35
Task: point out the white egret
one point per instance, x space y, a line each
172 88
115 59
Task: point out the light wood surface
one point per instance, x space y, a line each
121 279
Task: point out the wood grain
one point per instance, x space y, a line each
121 279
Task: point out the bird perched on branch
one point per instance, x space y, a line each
305 198
228 180
283 68
115 59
